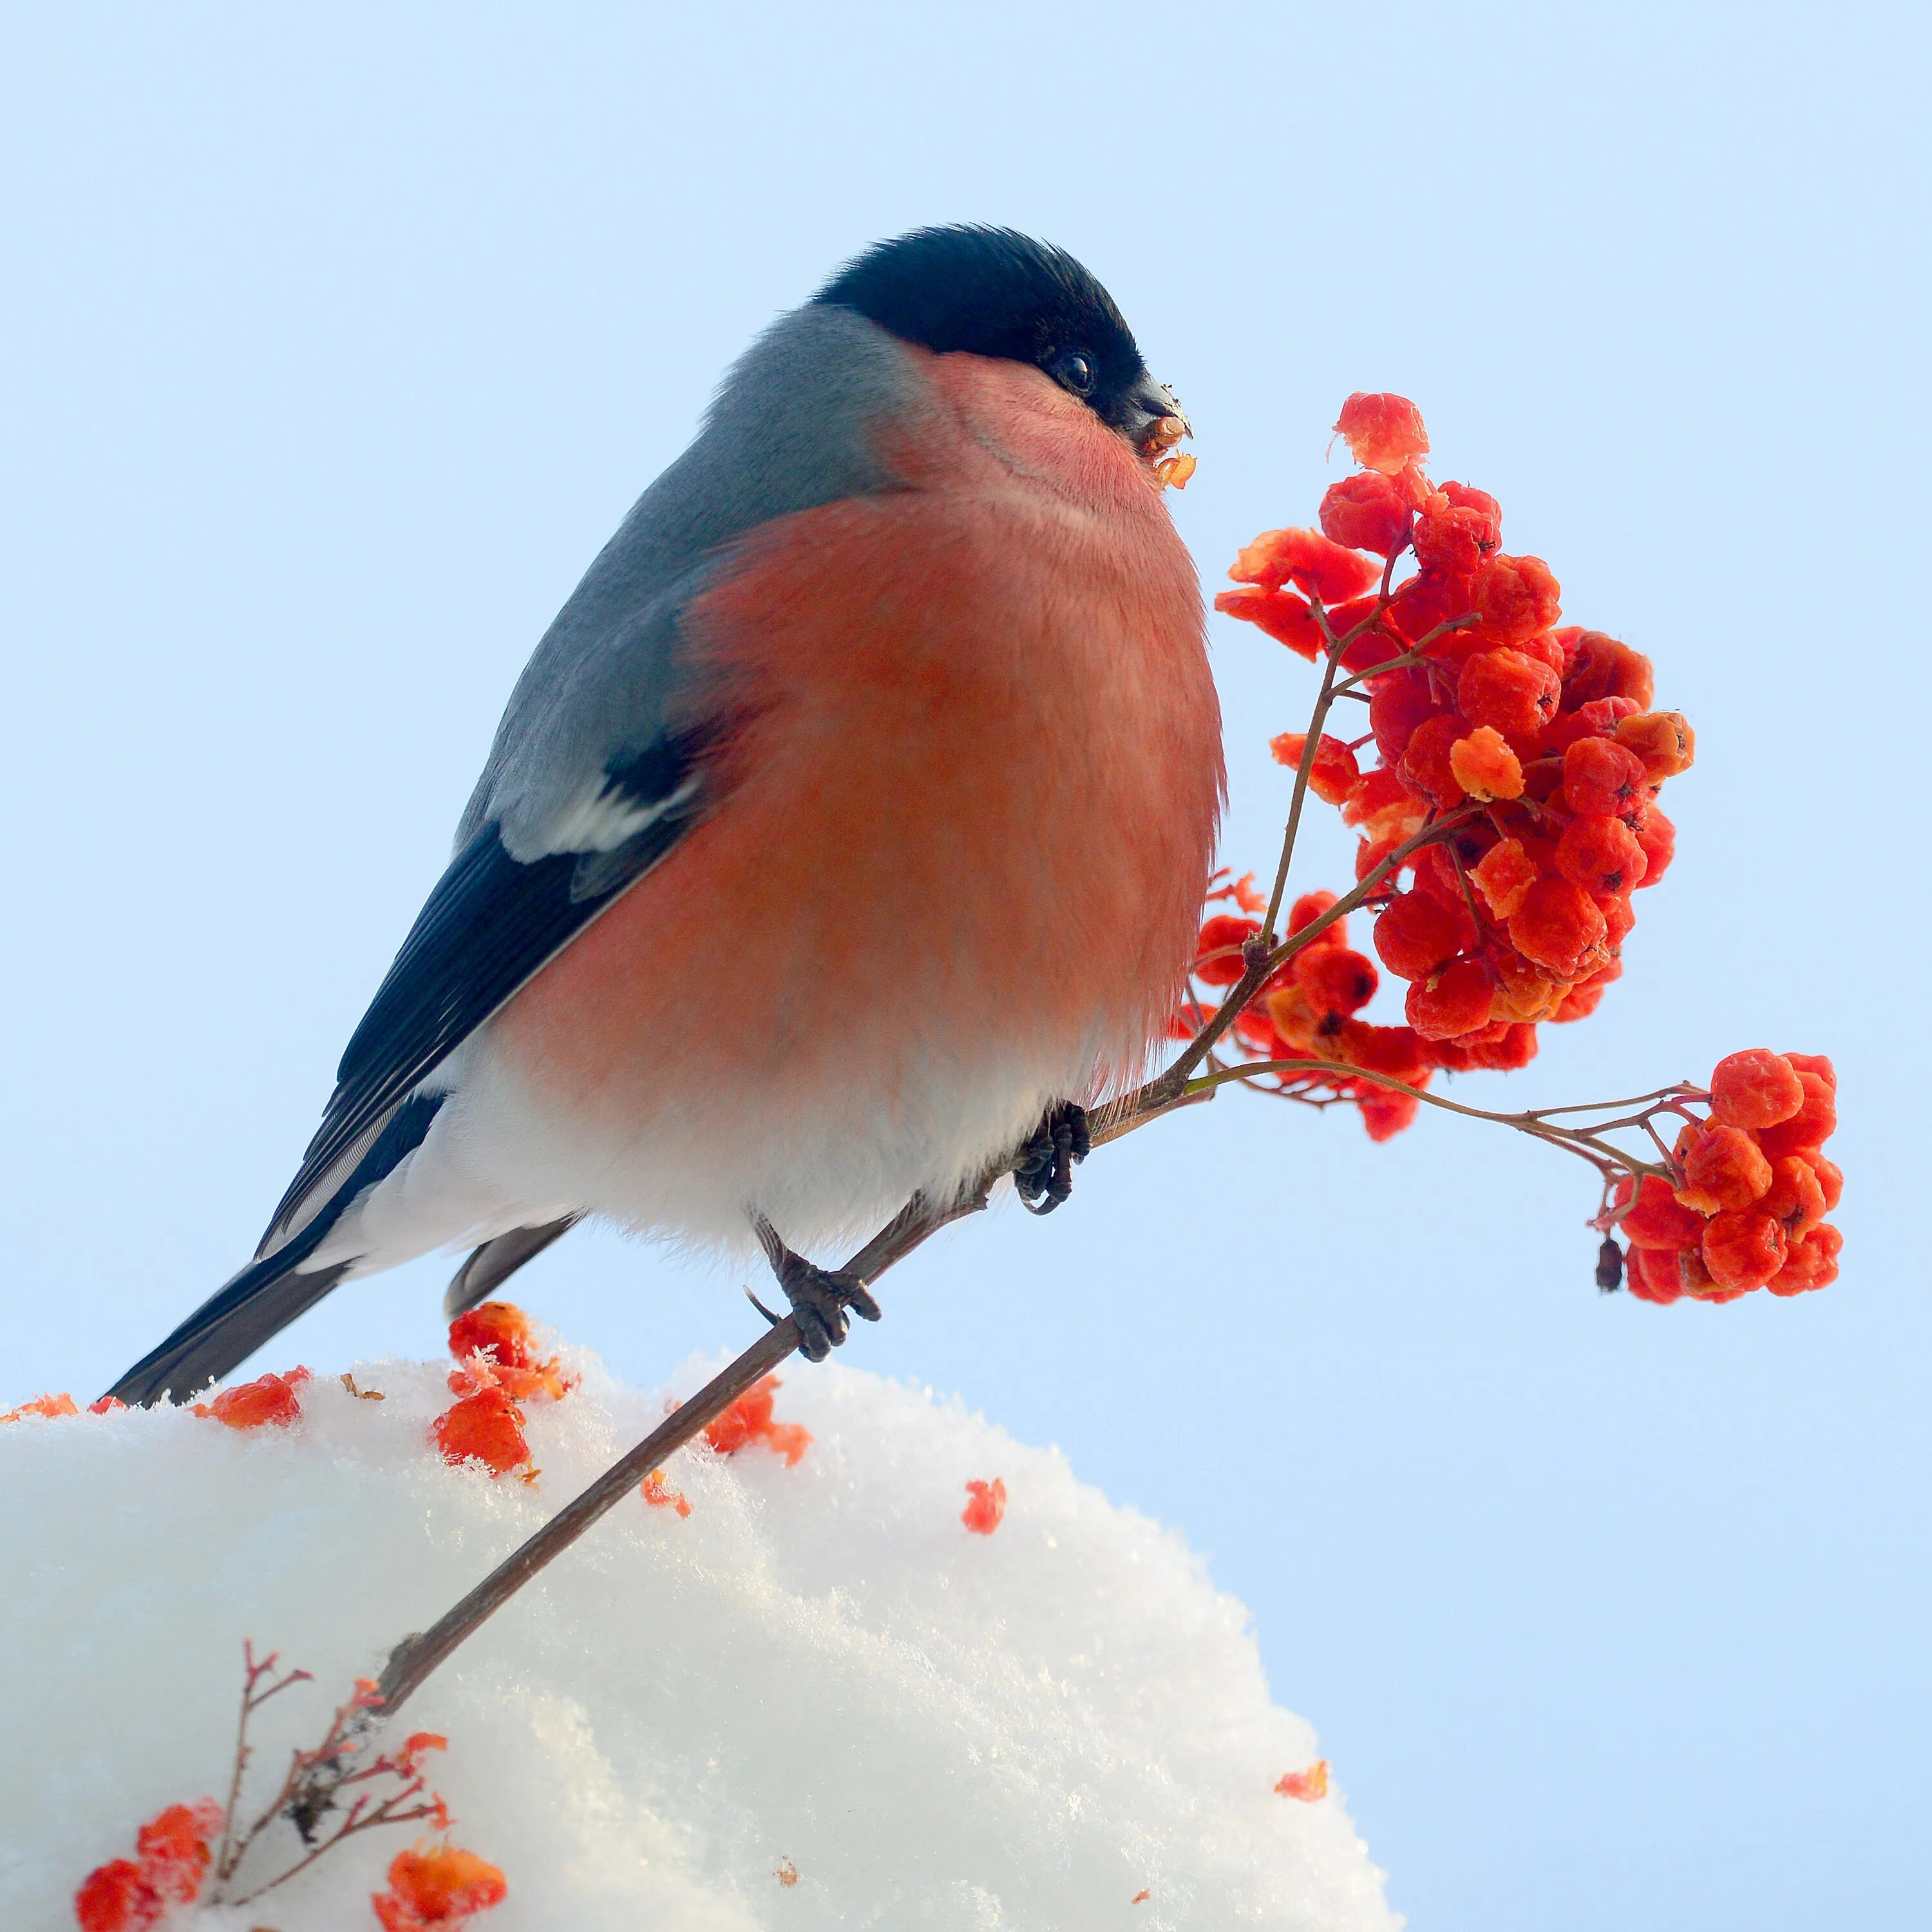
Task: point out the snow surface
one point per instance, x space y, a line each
820 1665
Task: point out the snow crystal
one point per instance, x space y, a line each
819 1671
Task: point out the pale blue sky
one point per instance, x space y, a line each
336 341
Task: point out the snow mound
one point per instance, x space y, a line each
818 1671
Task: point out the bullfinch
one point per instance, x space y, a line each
846 831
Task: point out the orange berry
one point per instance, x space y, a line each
1812 1263
1832 1179
498 1329
1815 1122
1597 666
1454 1001
1658 837
1417 935
271 1399
1514 692
437 1885
1486 768
1558 927
1657 1219
1756 1088
1601 855
1314 564
1663 739
986 1506
1306 909
1796 1196
1383 807
1279 614
1603 780
1515 597
1334 773
1743 1250
1384 432
1365 512
1723 1169
1425 766
1218 960
1337 980
1503 875
486 1427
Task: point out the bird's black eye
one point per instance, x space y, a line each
1071 369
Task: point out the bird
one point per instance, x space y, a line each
846 833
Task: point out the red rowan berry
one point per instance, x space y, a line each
1510 690
1424 603
1723 1169
1618 918
1306 909
1602 855
1383 807
1651 1275
1338 980
1483 765
1811 1263
1794 1197
1279 614
1452 539
1756 1088
1579 1003
1218 960
1597 666
1515 597
1602 780
1417 936
1313 563
1385 1112
1365 512
1657 1219
1395 1051
1515 1049
1663 739
1383 432
1399 701
1817 1063
1815 1122
1425 766
1503 875
1522 993
1658 837
1743 1250
1832 1179
1334 771
1599 719
1455 1000
1558 927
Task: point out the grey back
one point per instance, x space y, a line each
789 429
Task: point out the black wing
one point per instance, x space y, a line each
491 923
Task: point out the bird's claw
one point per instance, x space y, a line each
1043 1168
819 1296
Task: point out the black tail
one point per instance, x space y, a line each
267 1294
495 1261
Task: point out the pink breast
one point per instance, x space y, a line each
971 805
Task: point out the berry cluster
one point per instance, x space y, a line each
1509 810
1752 1187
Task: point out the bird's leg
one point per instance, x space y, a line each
819 1296
1043 1167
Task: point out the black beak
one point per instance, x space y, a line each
1149 405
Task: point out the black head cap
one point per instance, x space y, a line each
991 291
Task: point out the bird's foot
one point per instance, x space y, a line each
1043 1167
819 1296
